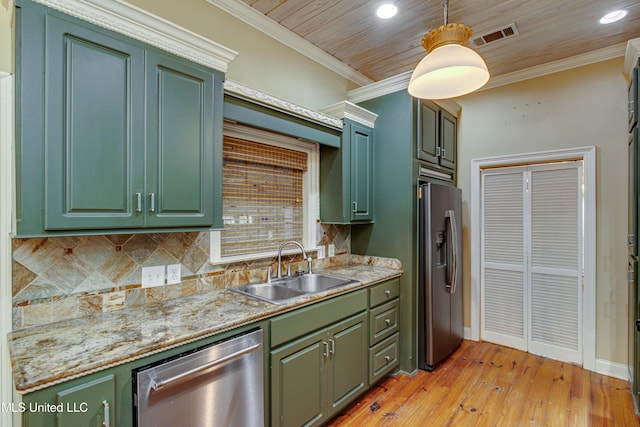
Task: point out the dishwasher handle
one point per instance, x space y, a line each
157 385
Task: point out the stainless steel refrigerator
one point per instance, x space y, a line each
440 312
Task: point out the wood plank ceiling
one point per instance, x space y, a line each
548 30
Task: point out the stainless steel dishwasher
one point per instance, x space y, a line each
219 385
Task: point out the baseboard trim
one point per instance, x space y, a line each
612 369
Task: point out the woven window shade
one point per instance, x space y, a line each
262 193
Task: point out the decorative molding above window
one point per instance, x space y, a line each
351 111
288 107
131 21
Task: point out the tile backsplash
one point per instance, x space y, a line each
58 278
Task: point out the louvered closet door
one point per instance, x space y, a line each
556 261
504 270
532 259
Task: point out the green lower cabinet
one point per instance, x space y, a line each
318 374
96 400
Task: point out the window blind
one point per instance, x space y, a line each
263 194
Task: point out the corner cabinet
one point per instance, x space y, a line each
437 136
115 135
346 177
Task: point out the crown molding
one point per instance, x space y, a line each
632 53
401 81
279 104
348 110
131 21
268 26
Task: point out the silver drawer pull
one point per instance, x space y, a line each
387 292
107 418
387 359
138 202
152 202
387 321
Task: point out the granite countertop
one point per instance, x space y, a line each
50 354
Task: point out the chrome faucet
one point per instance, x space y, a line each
304 254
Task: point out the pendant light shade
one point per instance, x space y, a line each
450 68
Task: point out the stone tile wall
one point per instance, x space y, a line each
58 278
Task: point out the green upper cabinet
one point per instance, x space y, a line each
182 166
346 173
94 128
437 136
112 135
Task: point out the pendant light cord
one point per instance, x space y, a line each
445 3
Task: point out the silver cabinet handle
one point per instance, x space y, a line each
387 321
387 293
152 202
332 347
387 359
325 353
630 239
355 206
444 152
159 384
630 275
138 202
437 151
107 418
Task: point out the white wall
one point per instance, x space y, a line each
581 107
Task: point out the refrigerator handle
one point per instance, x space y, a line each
451 214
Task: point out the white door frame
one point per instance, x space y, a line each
7 393
588 156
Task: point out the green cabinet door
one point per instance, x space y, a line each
94 129
346 177
448 140
428 144
361 141
88 402
181 161
297 371
347 373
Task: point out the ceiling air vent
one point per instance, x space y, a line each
494 35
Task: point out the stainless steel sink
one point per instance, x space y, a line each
311 283
288 288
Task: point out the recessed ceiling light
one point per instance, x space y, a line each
387 10
614 16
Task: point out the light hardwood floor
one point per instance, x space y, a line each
484 384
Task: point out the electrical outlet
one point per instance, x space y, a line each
153 276
320 252
332 250
173 274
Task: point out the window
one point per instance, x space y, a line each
270 194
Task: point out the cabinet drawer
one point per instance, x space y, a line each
300 322
383 357
383 321
385 291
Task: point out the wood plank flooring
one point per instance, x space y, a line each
483 384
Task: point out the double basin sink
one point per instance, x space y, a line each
291 287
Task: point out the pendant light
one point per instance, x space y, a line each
450 68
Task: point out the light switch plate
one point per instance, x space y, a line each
153 276
320 252
173 274
332 250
